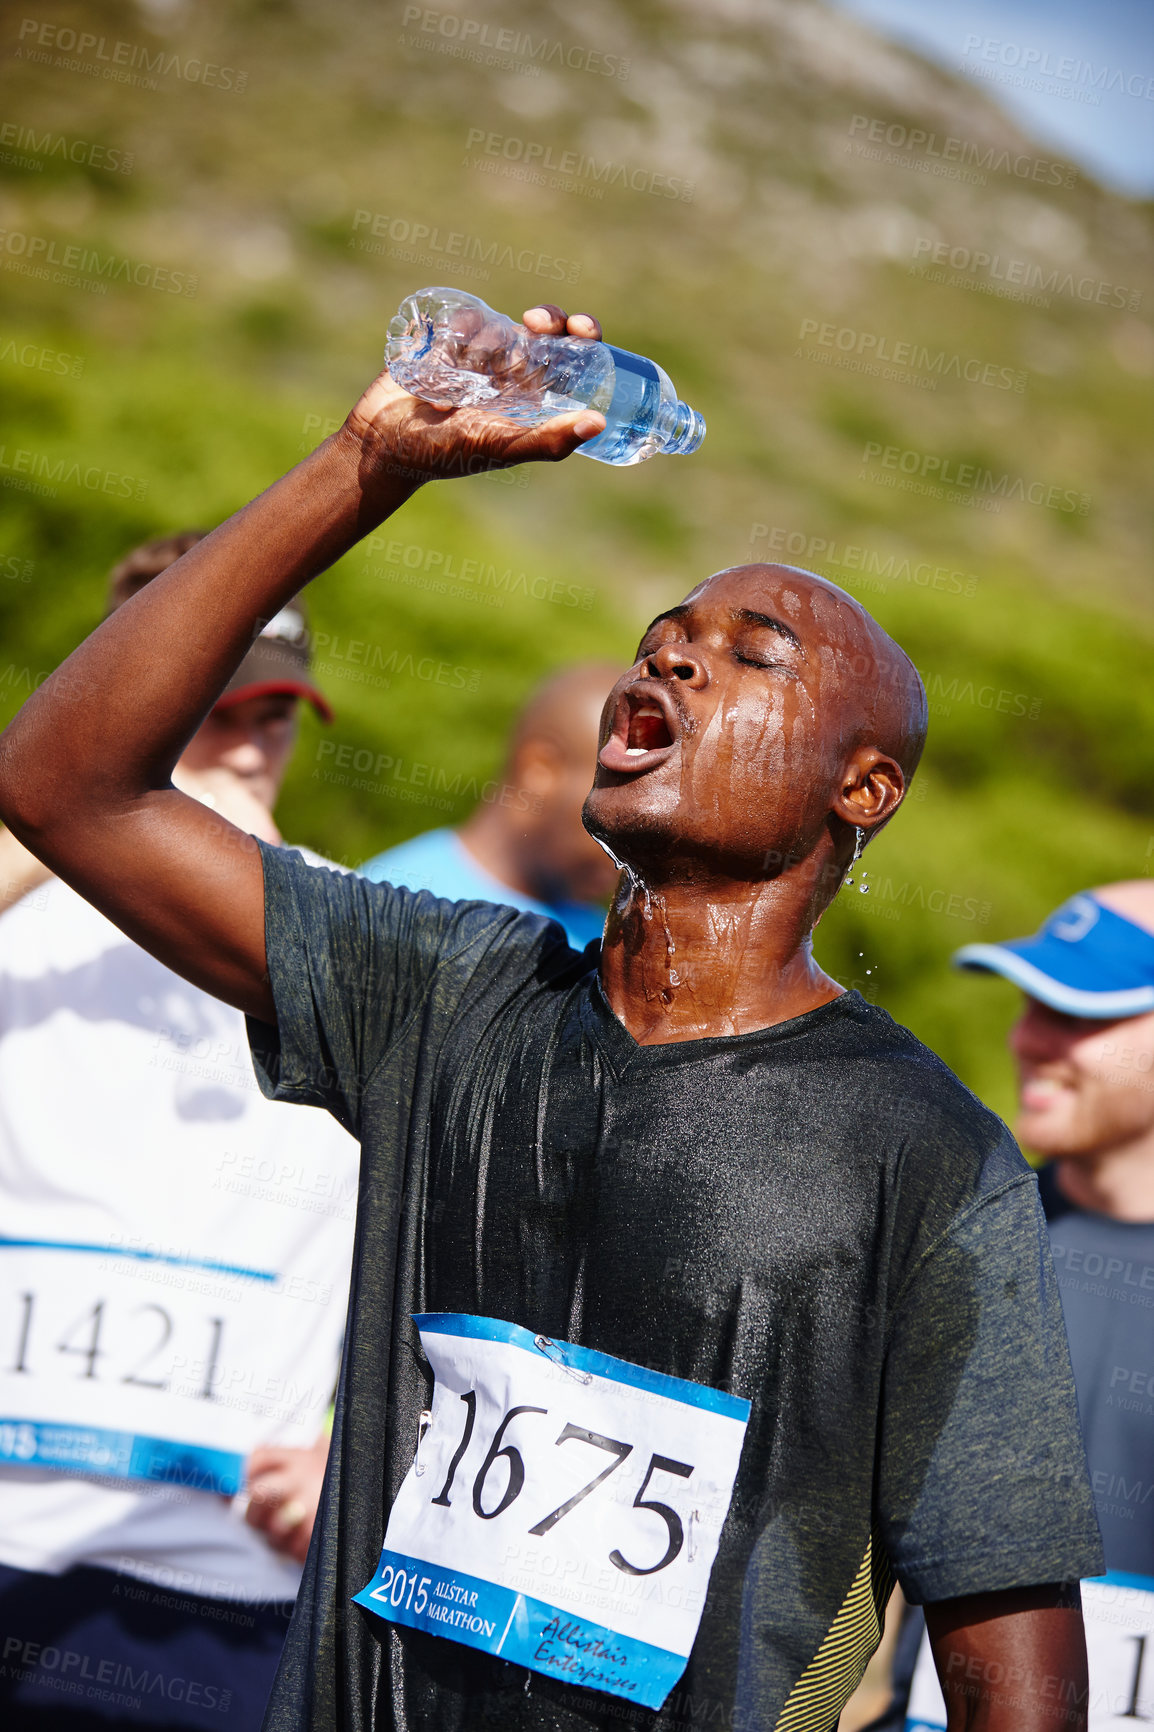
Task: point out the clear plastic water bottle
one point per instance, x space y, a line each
450 348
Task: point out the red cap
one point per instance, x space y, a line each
278 662
279 658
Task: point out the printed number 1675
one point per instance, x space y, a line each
498 1449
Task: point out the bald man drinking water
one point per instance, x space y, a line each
693 1299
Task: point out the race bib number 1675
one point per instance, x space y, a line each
563 1510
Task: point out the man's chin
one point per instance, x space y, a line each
625 814
1052 1135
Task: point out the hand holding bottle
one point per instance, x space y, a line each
447 347
403 441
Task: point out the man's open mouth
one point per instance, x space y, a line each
648 730
646 727
1039 1093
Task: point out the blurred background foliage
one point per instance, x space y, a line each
262 202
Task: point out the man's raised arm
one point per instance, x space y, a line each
85 767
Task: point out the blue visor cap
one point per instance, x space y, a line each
1086 961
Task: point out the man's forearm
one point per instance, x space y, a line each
1013 1661
111 722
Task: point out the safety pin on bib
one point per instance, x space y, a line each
552 1351
423 1424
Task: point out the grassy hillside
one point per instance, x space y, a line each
764 199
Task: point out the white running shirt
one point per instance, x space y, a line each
174 1262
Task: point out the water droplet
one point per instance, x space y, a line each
859 844
863 889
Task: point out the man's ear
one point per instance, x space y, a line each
873 787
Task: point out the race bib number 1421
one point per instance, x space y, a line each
563 1510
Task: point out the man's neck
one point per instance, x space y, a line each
1118 1182
687 962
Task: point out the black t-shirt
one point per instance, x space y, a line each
816 1216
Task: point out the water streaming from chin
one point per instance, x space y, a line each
601 843
643 906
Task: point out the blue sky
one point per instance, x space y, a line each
1112 139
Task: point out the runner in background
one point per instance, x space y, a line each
173 1274
1084 1047
527 847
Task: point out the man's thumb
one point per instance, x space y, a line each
564 433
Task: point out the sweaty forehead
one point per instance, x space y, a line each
816 610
